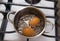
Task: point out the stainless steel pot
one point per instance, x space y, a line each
30 11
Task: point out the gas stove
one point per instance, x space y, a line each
46 6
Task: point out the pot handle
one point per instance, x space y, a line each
48 25
11 12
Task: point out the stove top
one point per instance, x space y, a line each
47 7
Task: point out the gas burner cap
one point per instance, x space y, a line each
33 1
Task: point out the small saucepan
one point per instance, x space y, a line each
22 17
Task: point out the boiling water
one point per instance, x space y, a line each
24 21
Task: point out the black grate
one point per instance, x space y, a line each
5 21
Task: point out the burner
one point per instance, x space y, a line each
33 1
50 0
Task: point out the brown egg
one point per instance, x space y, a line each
28 31
34 21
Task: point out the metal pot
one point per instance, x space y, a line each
30 11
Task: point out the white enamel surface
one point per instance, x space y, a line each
3 0
1 17
2 7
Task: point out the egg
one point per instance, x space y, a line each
28 31
34 21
